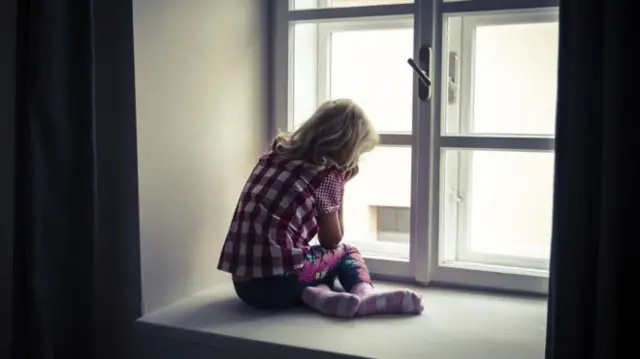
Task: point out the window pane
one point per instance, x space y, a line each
304 72
515 79
508 84
315 4
376 77
503 202
378 200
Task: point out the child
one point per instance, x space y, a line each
294 193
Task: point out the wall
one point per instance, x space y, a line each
201 76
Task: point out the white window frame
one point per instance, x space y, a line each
455 263
427 264
463 117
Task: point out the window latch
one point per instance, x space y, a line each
425 82
454 195
453 85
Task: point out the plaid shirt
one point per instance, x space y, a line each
275 218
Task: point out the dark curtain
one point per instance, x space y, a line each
594 258
69 252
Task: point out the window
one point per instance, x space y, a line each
377 198
336 59
498 122
460 190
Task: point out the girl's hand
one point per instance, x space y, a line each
350 173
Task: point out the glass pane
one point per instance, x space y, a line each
377 201
503 202
305 72
315 4
513 79
376 77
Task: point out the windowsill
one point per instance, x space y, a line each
496 268
456 324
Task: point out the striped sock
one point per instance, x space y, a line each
326 301
395 302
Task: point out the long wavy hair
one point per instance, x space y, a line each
337 134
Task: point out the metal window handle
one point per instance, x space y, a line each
425 83
422 74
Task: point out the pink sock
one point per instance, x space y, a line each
326 301
395 302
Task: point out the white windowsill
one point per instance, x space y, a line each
456 324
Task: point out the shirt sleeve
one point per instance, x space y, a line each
329 193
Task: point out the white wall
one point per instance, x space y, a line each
201 96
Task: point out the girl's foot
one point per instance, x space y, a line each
326 301
395 302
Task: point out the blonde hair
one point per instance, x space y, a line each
337 134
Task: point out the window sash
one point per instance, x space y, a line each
425 264
463 109
469 268
382 251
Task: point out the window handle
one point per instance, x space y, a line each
424 85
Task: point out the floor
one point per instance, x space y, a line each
455 325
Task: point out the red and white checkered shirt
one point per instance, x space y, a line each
275 218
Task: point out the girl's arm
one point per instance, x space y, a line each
331 224
348 175
341 215
330 229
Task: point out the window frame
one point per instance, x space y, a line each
475 273
465 31
425 265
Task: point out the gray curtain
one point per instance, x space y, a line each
592 308
69 250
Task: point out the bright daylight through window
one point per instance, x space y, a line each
337 60
462 181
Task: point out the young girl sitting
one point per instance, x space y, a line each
294 193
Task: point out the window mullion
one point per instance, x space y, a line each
453 6
498 143
396 139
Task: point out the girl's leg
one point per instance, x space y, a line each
277 292
317 276
336 304
286 291
354 277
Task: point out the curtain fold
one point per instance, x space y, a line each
74 246
596 189
8 40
